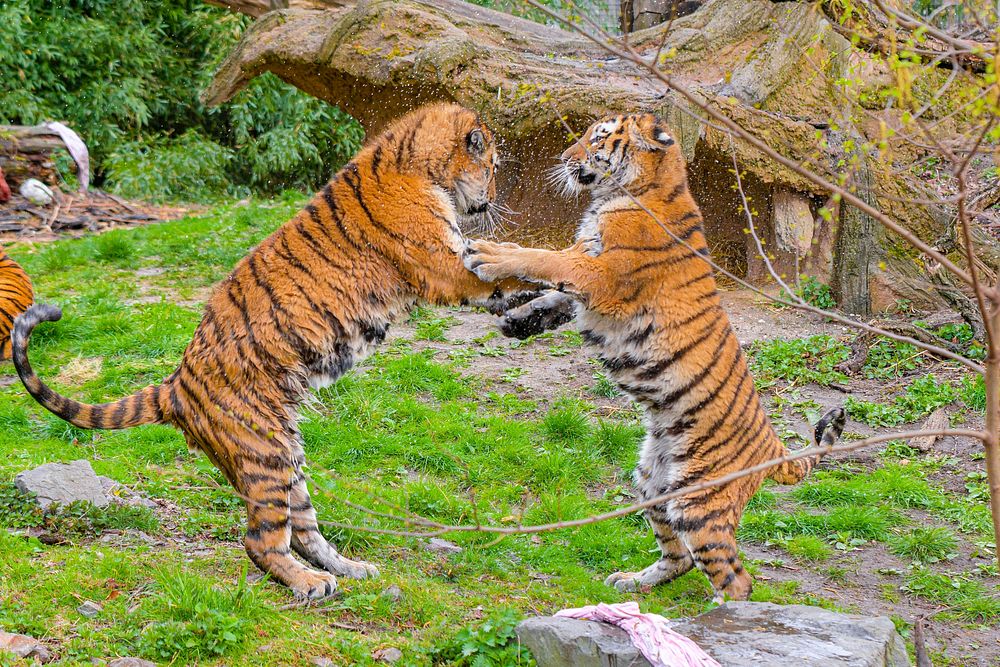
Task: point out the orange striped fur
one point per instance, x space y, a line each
16 294
649 305
309 302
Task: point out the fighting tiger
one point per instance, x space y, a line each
647 301
300 309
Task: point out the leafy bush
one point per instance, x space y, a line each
126 74
799 361
922 396
160 168
815 293
75 520
492 644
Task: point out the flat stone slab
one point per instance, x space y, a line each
62 483
737 634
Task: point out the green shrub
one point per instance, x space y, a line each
799 361
126 74
815 293
491 644
922 396
190 166
72 521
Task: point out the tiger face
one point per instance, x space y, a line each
470 176
616 152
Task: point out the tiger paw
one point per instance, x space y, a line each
624 582
549 311
353 569
490 261
313 585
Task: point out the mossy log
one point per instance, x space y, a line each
379 59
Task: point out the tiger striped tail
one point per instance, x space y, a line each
142 407
825 434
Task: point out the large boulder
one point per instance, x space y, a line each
737 634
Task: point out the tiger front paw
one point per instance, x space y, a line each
624 582
313 585
491 261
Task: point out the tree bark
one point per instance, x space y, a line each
379 59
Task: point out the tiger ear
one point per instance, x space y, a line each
657 137
475 142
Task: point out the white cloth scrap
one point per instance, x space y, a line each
650 633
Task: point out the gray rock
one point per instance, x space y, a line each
62 483
442 546
569 642
90 609
389 655
320 661
394 593
737 634
24 646
131 662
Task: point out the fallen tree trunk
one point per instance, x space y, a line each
379 59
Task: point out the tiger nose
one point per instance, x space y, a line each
573 152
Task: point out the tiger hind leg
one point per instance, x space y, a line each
307 541
715 553
269 533
674 561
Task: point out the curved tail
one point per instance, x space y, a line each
143 407
827 430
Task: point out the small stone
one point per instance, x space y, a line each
393 593
389 654
442 546
62 483
24 646
131 662
90 609
320 661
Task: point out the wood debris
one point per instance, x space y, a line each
77 214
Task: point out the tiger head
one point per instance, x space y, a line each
617 152
454 147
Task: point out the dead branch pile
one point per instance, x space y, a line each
75 214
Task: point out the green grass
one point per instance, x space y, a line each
926 545
410 430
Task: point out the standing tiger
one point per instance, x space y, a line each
16 294
649 305
309 302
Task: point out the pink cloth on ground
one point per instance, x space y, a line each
650 633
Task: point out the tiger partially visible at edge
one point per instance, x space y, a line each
16 294
299 310
648 304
